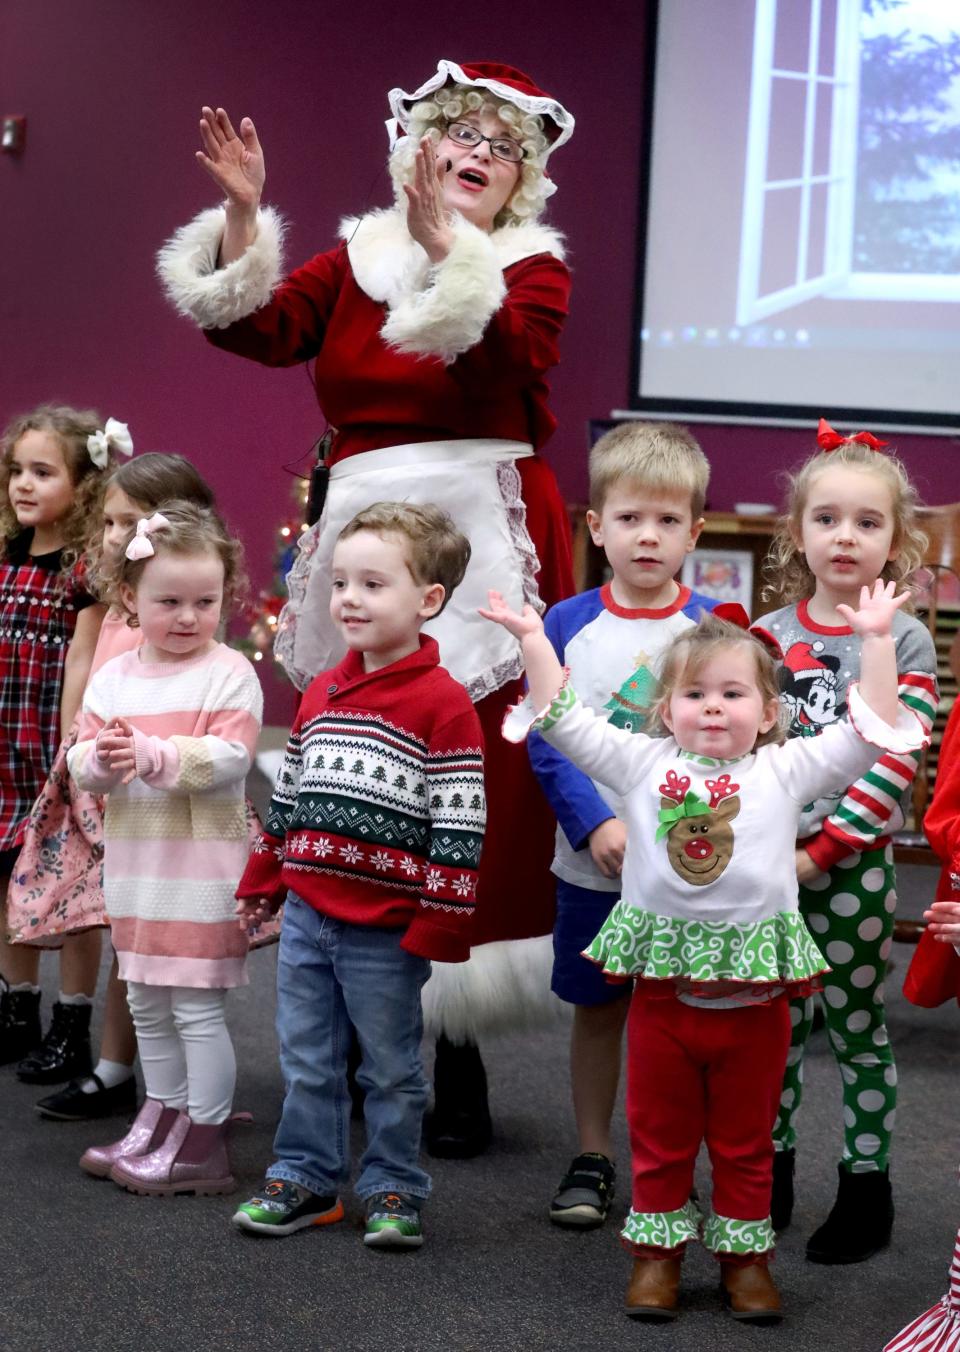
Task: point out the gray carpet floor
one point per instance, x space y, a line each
87 1266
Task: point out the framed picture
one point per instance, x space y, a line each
726 574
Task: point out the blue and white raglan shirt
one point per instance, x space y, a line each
614 656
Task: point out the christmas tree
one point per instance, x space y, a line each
630 705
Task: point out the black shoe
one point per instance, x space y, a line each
459 1126
781 1200
73 1105
20 1031
585 1193
860 1223
64 1054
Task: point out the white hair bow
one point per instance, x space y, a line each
140 546
115 435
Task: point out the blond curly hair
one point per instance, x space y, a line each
788 577
431 115
70 428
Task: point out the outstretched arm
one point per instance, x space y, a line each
544 672
878 661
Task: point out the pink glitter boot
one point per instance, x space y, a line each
148 1130
193 1158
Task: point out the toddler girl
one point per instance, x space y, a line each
57 886
52 470
710 814
169 731
850 519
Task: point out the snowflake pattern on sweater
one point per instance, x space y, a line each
378 812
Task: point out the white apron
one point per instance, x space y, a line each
477 482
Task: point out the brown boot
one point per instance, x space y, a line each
653 1289
750 1293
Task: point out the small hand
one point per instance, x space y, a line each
253 912
943 921
807 870
607 844
520 626
877 608
235 163
427 218
115 745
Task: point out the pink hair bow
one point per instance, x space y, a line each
140 546
829 440
115 436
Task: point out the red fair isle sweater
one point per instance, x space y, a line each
378 812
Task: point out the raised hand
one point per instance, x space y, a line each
427 218
235 163
877 608
520 626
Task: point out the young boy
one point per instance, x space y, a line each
375 827
648 483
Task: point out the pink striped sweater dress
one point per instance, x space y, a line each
176 837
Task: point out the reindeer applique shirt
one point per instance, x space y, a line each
709 884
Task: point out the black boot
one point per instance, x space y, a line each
459 1126
64 1054
781 1200
860 1222
19 1022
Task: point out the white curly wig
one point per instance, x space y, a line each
431 115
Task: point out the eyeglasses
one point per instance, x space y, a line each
504 147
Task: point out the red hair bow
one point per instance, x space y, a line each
829 440
734 613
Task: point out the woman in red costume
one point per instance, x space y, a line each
432 326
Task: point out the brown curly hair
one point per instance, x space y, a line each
70 428
190 529
788 577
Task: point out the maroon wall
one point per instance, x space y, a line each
111 90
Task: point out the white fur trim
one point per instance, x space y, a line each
216 297
438 311
504 988
450 315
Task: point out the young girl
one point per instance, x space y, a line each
169 731
710 814
850 519
52 472
57 886
933 977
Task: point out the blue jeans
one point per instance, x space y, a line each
331 975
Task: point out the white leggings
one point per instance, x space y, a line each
185 1049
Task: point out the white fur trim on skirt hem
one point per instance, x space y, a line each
503 988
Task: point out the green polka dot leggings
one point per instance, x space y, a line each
850 913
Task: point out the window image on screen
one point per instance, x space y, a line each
802 245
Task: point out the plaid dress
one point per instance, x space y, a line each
38 614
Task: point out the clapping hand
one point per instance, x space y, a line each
877 608
427 218
115 745
235 163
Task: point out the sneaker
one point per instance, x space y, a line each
73 1105
393 1222
585 1193
282 1207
